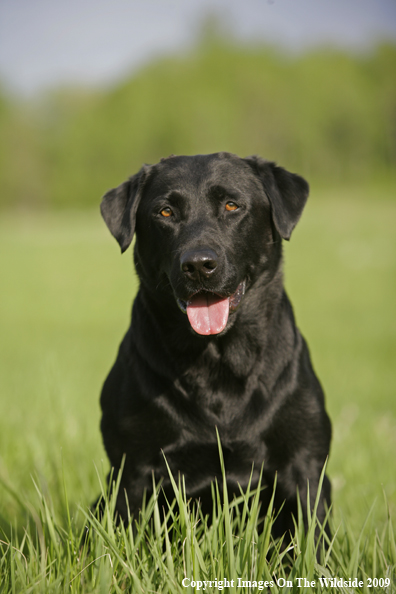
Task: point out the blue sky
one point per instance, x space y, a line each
45 43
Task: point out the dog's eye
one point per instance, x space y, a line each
231 206
166 212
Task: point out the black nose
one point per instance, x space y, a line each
199 263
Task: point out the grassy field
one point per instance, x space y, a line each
65 303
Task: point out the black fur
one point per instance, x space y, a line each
171 387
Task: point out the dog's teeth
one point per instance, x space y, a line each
182 305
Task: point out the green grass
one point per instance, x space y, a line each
65 303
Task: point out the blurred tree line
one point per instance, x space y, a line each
328 115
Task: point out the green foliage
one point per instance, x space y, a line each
176 549
326 114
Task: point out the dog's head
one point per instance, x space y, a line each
207 227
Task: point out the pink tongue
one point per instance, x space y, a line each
208 313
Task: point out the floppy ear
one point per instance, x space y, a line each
287 193
119 207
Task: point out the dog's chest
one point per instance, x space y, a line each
217 396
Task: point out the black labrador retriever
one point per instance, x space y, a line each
213 341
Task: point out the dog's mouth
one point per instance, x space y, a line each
208 312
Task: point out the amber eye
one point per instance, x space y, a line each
166 212
231 206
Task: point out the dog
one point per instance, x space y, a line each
213 341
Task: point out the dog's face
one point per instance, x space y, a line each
207 228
